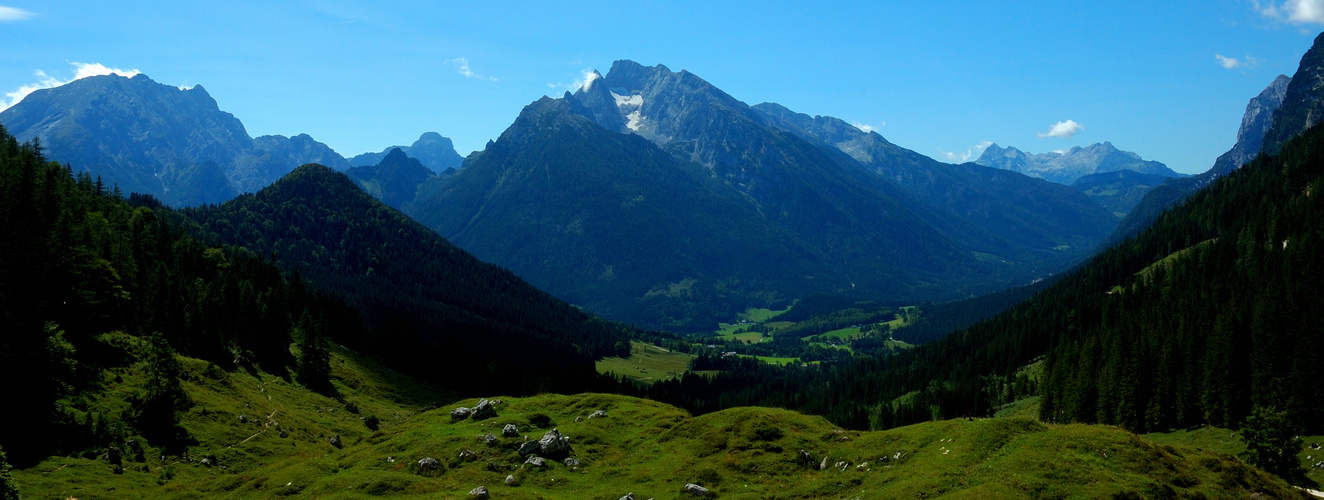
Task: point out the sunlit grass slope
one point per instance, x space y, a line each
640 446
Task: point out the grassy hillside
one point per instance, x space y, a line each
640 446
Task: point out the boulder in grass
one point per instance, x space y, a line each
536 461
484 410
695 490
510 480
628 496
461 413
528 447
598 414
553 444
428 464
571 462
510 431
467 455
490 439
335 441
479 492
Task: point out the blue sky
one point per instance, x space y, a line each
1168 80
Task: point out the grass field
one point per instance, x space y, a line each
758 315
746 337
775 360
282 449
647 364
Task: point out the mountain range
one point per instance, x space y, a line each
651 196
1067 166
173 143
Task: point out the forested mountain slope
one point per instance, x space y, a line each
1206 316
435 310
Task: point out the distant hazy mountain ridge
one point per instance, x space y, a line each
157 139
431 149
1066 167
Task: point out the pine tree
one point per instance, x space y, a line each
1272 442
8 488
314 363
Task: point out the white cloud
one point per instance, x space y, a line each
1234 63
9 14
971 152
462 65
1065 130
1292 11
866 128
44 81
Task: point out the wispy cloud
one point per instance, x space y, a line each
971 152
1065 130
1234 63
462 65
11 14
1292 11
44 81
866 128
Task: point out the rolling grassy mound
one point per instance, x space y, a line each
640 446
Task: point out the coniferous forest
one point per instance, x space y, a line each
91 281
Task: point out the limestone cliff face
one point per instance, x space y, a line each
1255 124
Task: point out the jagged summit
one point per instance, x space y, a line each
152 138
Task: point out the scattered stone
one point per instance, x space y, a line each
571 462
510 480
628 496
577 419
335 441
428 464
510 431
536 461
484 410
490 439
467 455
243 419
284 434
497 401
862 466
528 447
823 465
460 413
695 490
843 465
598 414
479 492
553 444
206 462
